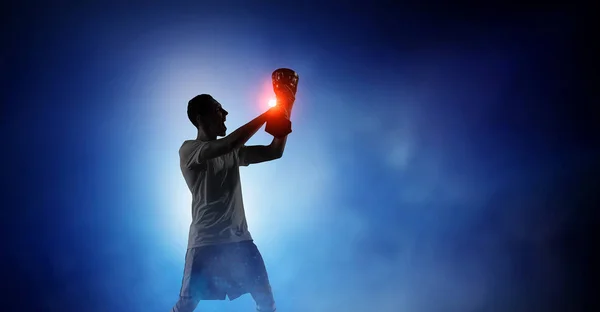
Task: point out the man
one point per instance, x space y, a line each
221 258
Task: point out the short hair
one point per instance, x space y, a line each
199 105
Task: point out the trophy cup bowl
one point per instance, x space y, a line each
285 85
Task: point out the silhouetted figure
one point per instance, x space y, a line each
222 259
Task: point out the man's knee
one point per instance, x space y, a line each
185 304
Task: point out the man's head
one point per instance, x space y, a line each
207 115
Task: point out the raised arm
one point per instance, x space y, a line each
260 153
234 140
198 152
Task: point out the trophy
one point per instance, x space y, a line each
285 84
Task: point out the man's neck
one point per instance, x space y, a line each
202 136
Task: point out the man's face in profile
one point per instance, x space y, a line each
215 119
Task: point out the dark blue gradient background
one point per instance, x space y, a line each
439 161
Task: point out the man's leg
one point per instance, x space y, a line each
185 304
264 301
261 290
192 283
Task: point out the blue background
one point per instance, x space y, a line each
439 161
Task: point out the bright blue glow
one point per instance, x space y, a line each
404 186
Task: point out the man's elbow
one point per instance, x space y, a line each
275 151
276 154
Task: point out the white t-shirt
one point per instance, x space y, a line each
217 208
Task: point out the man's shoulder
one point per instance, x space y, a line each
189 142
188 145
